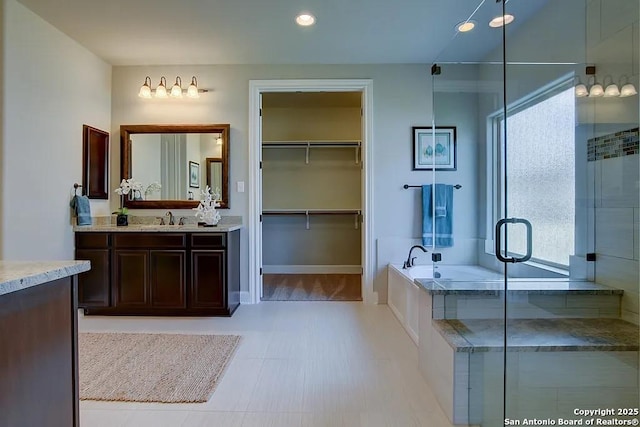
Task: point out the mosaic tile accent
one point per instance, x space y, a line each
617 144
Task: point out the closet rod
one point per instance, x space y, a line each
344 143
457 186
312 212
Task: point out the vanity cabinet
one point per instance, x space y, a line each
149 270
161 273
94 285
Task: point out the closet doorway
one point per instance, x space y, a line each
312 232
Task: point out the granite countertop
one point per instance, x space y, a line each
155 228
565 334
18 275
516 286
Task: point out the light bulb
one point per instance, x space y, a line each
145 89
611 91
176 89
192 91
596 90
628 90
161 91
581 91
219 140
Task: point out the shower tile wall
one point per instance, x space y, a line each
614 158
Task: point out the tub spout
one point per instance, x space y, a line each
409 262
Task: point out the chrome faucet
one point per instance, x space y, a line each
409 262
170 215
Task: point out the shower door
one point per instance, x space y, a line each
546 221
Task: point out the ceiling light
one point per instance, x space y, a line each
465 26
305 19
192 92
500 21
176 89
161 90
145 89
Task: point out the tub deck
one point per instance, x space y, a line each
483 335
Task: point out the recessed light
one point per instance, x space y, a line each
500 21
465 26
305 19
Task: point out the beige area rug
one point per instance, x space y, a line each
152 367
311 287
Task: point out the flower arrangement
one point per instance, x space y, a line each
206 210
126 186
154 187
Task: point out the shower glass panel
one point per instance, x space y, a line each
536 300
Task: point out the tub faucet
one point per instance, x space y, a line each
409 262
170 215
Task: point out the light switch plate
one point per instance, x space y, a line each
240 186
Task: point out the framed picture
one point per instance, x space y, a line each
194 174
434 150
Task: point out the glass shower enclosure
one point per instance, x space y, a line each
535 119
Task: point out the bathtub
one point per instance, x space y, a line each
461 273
404 295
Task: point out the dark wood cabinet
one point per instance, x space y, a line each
207 279
94 289
159 273
131 278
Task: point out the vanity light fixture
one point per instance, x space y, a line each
610 90
176 90
305 19
501 21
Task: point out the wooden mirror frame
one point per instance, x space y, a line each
125 161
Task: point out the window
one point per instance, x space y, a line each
540 173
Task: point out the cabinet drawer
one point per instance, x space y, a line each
147 240
92 240
209 240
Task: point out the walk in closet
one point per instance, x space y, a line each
311 195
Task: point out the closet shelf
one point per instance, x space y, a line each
316 144
309 212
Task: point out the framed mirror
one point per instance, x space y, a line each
174 163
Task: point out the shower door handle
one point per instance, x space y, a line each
498 239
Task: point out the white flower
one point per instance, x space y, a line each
126 185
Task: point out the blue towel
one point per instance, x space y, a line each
438 215
82 209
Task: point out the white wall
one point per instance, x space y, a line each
53 87
146 161
401 100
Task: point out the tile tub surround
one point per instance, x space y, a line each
539 334
18 275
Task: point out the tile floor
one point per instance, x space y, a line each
299 364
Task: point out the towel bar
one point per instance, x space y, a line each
457 186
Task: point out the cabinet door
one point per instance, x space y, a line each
207 279
131 278
168 282
94 285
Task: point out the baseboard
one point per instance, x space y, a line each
245 297
311 269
